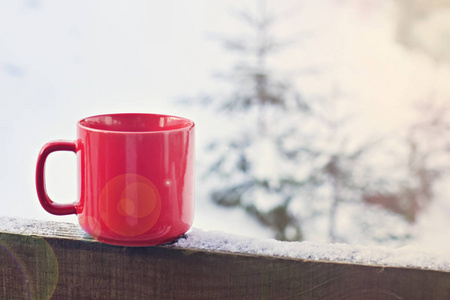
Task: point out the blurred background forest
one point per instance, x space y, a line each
316 120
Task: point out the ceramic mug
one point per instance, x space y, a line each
135 178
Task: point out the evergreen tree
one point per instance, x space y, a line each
292 165
255 168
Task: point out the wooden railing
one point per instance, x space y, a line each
50 260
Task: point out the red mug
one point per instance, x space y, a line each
135 178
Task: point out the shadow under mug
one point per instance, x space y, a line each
135 178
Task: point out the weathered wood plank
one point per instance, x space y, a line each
36 267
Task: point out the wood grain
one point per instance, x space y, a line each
58 267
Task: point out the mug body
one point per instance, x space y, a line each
136 178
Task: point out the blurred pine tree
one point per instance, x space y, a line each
293 163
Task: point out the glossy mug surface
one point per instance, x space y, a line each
135 178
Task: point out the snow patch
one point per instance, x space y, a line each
409 256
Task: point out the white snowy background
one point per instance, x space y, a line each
61 61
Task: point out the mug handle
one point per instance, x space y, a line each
46 202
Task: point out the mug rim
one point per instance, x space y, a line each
189 124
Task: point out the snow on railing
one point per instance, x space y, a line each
407 256
41 259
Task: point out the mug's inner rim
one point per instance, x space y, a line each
134 122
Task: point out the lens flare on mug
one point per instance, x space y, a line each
138 199
129 204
